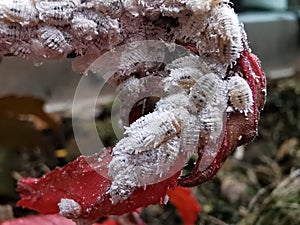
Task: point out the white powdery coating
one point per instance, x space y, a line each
69 208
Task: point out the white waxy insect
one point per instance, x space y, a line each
21 49
181 78
103 23
190 61
204 90
151 130
131 171
19 11
192 28
226 26
56 12
69 208
132 88
211 121
84 27
107 7
240 94
11 33
54 40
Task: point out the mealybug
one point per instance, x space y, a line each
240 94
204 90
54 40
56 12
19 11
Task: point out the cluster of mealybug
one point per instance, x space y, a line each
209 24
196 93
194 107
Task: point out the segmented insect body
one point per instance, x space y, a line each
182 77
9 32
191 31
17 39
212 120
112 8
19 11
148 132
84 27
240 94
54 40
171 8
210 25
204 90
191 28
134 54
184 73
56 12
189 61
104 24
16 32
138 170
228 30
21 49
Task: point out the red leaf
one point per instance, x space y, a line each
80 182
54 219
186 204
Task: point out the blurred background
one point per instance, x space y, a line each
259 184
